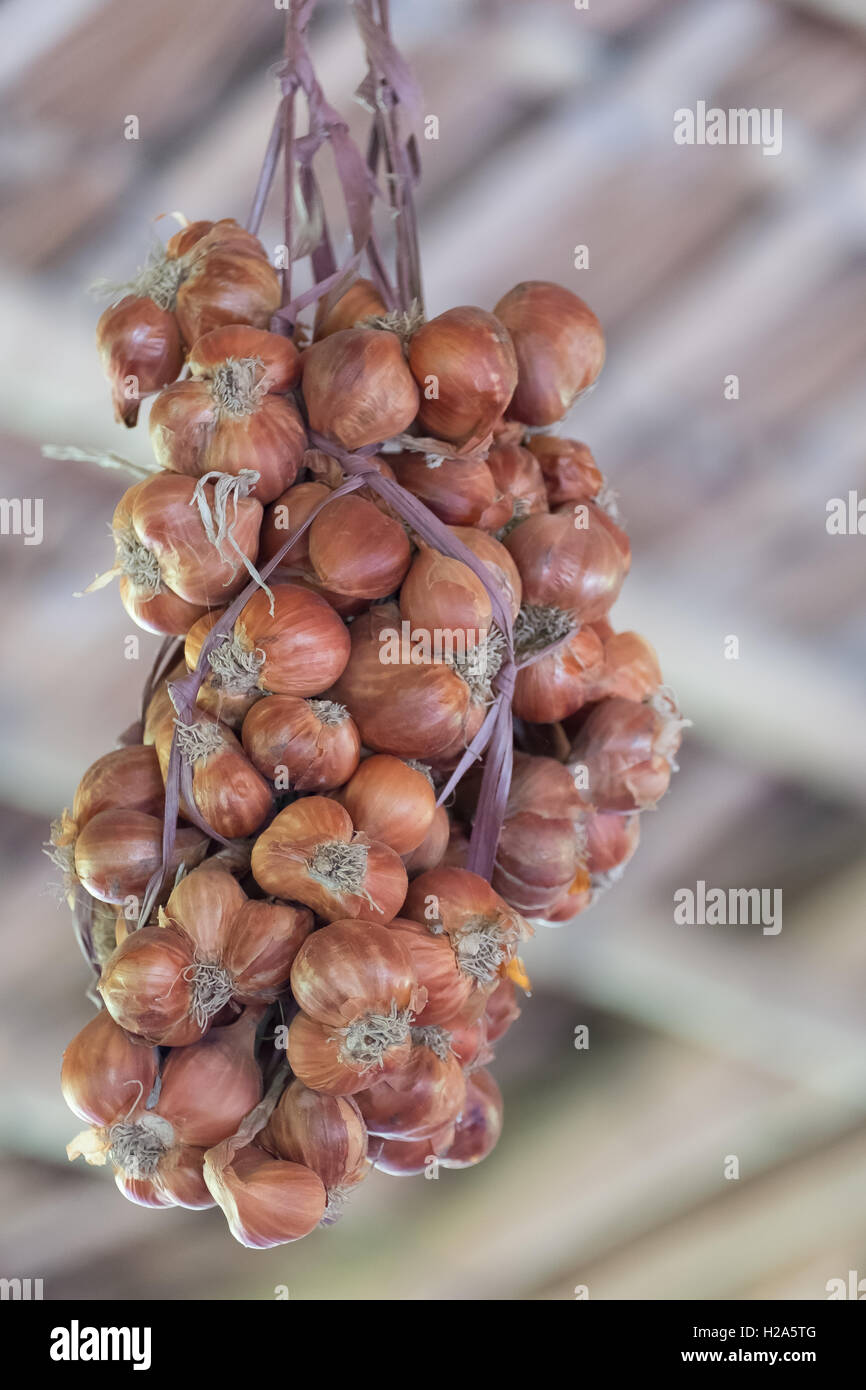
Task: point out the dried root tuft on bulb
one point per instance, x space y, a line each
479 666
158 279
437 1039
198 742
328 712
338 866
404 322
538 626
238 386
212 989
137 562
136 1147
483 945
366 1039
235 669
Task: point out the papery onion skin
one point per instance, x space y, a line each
266 1201
496 559
315 742
317 1058
209 1087
147 990
105 1076
350 968
459 491
575 568
559 345
418 1101
356 550
479 1126
127 778
412 711
436 967
357 387
570 472
325 1133
311 854
431 850
118 851
628 749
360 301
390 801
406 1158
442 593
469 355
559 684
140 350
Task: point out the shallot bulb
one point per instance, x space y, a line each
232 415
409 698
628 750
157 1146
209 274
459 491
631 667
442 593
356 550
282 517
611 840
391 800
483 930
406 1158
439 970
170 569
356 984
569 470
357 387
266 1201
298 649
169 983
325 1133
568 563
542 847
559 345
432 848
559 683
312 854
118 851
464 364
229 793
301 745
426 1095
519 484
479 1125
496 560
360 301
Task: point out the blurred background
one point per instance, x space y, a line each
556 130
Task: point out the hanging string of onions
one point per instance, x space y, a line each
304 878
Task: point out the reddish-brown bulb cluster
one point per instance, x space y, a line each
320 981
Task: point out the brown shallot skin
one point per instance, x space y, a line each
557 685
140 350
431 850
360 301
628 750
233 414
356 550
466 370
519 482
326 1133
459 491
357 387
266 1201
391 801
118 852
568 467
559 345
283 517
302 745
311 853
163 550
568 562
127 778
419 1100
409 710
299 649
479 1125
